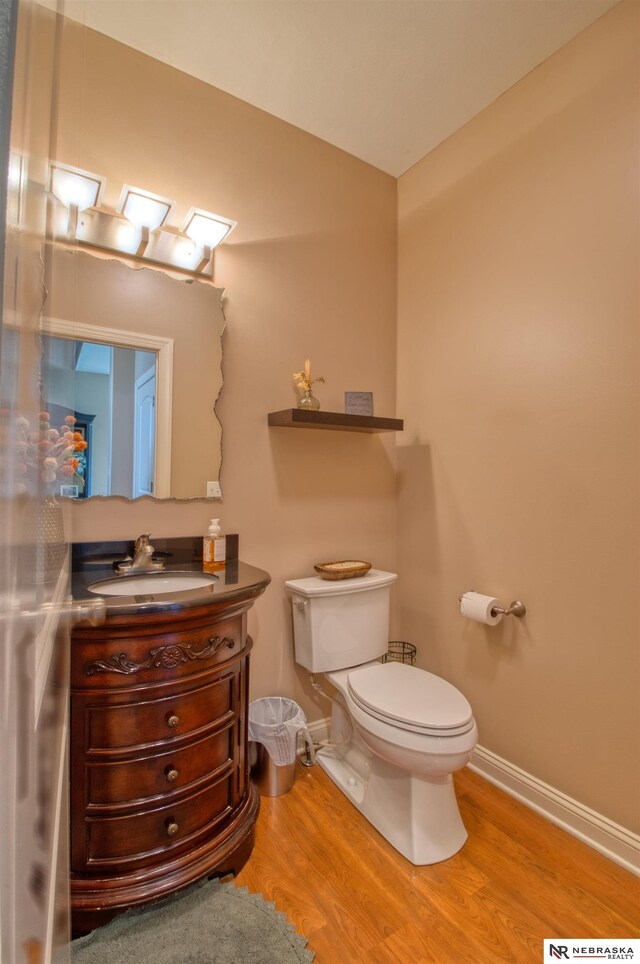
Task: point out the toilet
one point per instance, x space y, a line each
398 733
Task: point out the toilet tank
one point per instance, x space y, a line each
340 623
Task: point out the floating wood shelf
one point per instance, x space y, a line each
301 418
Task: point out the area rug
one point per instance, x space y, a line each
212 923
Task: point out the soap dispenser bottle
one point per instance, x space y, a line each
214 549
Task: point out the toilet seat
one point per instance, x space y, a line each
411 699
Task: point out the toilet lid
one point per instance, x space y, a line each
411 698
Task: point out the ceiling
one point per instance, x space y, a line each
385 80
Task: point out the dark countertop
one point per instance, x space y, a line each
94 562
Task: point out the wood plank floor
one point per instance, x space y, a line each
517 880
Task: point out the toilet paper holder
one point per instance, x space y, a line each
516 608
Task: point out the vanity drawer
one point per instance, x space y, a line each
143 659
151 835
110 784
123 726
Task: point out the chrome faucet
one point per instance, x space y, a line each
142 557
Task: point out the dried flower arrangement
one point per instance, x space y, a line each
49 455
304 380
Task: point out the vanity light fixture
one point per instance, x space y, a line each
206 228
139 227
145 210
77 189
207 231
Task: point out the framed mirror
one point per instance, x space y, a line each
132 361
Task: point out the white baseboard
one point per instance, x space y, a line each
319 729
608 838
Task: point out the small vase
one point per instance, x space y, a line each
309 402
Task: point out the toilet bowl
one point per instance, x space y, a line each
398 776
413 719
398 733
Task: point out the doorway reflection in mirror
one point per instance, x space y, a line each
111 393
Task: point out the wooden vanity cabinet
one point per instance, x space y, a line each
160 794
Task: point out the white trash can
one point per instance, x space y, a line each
274 724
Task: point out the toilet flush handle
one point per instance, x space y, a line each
300 604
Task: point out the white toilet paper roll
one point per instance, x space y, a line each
474 605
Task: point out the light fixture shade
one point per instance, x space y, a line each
76 187
203 227
144 209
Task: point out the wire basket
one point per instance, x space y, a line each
400 652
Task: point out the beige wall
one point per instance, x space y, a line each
310 271
518 379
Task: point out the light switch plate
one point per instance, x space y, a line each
213 490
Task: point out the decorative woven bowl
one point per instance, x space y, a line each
345 569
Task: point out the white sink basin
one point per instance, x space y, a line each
152 583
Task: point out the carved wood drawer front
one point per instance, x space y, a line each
147 659
135 781
148 836
145 723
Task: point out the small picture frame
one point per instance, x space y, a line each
69 491
358 403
